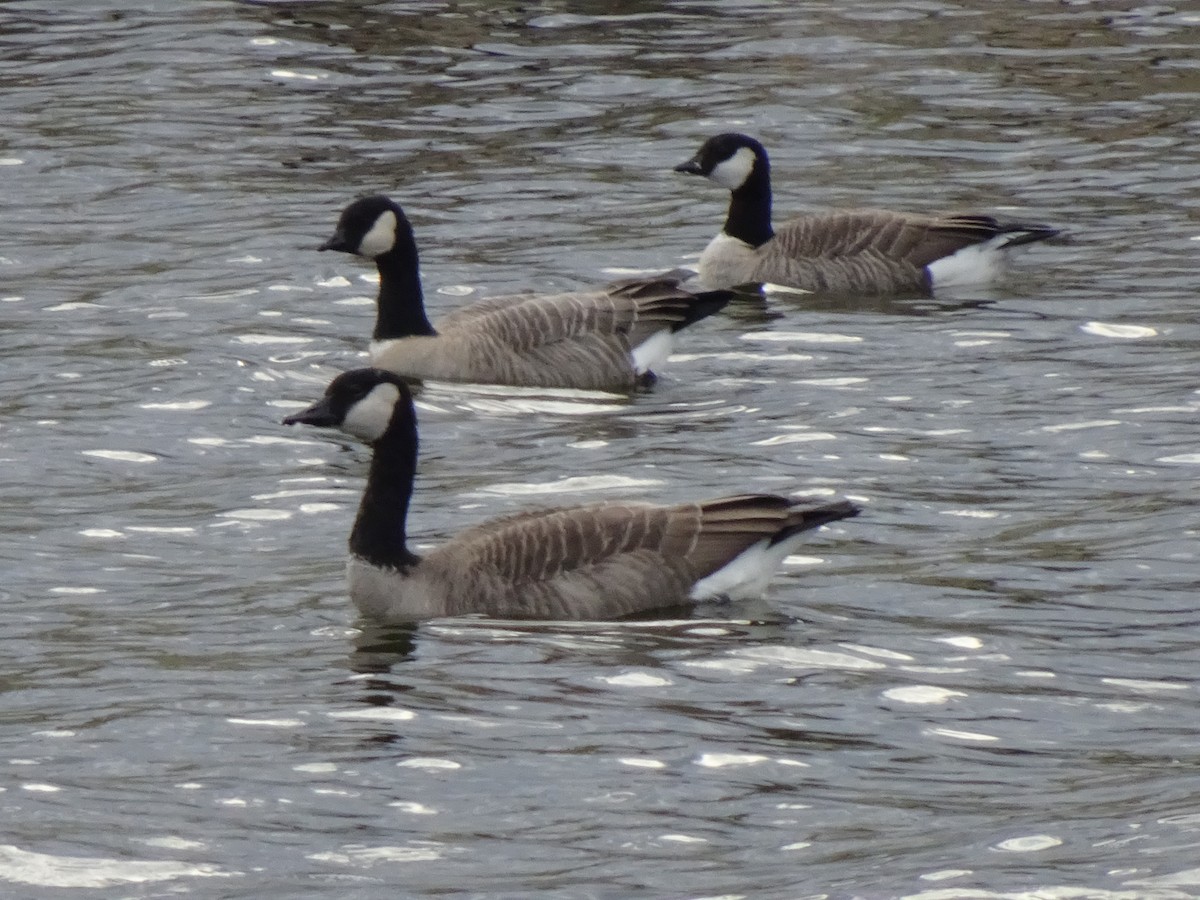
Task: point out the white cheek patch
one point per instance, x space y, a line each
381 238
733 172
368 419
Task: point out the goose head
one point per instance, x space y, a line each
371 227
365 403
728 159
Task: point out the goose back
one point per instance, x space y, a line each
584 340
590 362
857 251
600 561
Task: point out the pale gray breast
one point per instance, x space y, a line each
728 262
391 596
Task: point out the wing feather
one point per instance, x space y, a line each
577 340
612 559
871 251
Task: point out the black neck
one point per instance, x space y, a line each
379 534
749 216
400 308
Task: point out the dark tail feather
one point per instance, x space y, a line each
703 306
815 517
1025 233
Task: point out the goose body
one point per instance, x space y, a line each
609 339
854 251
597 561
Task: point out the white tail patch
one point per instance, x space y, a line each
381 238
971 265
653 351
745 576
368 419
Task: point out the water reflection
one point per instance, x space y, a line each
378 648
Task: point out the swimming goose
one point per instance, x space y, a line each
610 339
599 561
854 251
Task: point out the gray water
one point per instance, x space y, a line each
985 686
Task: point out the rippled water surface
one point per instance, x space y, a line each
985 686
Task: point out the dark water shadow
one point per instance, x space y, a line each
377 648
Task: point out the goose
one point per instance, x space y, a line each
853 251
599 561
608 340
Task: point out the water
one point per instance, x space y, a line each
985 686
